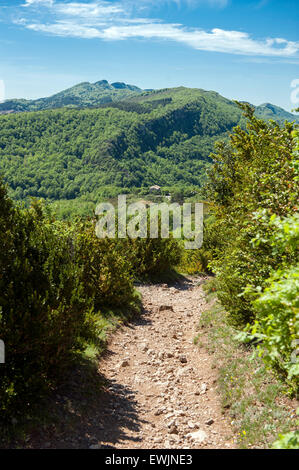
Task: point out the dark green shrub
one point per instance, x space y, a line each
42 305
106 270
152 257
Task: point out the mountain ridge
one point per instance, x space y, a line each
89 95
76 157
84 94
162 137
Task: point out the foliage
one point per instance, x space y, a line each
43 313
59 284
78 156
198 260
106 273
252 179
194 262
152 256
287 441
277 307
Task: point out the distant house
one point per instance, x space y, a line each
155 189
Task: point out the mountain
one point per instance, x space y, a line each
157 137
90 95
76 157
83 95
270 111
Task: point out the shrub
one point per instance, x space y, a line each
277 307
106 270
253 175
198 260
54 277
289 440
42 307
152 257
194 261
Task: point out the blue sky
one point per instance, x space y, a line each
246 50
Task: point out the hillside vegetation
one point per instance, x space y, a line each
60 286
269 111
254 191
91 95
132 140
162 138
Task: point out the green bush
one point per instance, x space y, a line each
56 280
194 261
254 192
253 178
152 257
42 305
198 260
277 307
289 440
106 270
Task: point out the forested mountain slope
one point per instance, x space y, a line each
161 137
90 95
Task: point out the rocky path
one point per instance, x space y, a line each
155 388
161 386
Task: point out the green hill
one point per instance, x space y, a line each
91 95
270 111
83 95
75 157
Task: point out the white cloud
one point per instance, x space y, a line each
67 29
88 10
111 21
29 3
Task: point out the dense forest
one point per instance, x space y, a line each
162 138
78 156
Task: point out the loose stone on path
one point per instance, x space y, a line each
169 394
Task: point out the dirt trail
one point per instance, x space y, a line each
161 386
